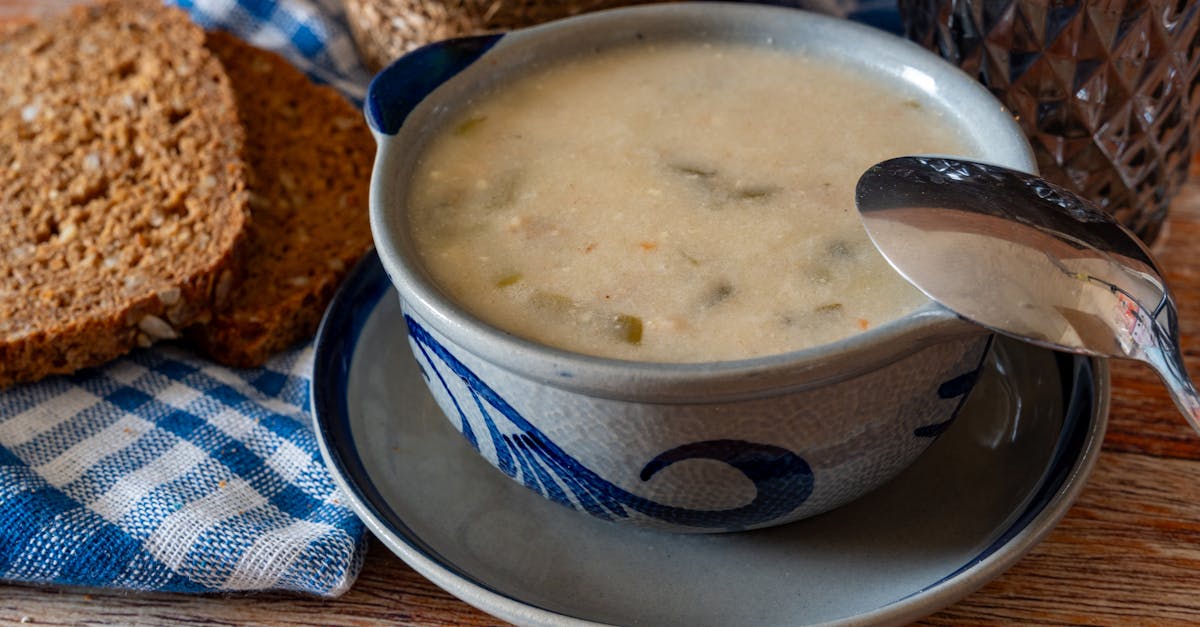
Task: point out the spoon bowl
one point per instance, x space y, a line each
1026 258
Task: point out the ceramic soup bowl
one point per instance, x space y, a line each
700 447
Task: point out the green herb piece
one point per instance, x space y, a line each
754 192
469 124
718 293
690 259
692 170
510 279
552 302
721 188
629 328
831 308
841 249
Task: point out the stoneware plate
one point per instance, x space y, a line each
985 493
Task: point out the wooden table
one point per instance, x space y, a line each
1128 551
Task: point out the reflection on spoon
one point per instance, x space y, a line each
1023 257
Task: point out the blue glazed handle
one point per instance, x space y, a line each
395 91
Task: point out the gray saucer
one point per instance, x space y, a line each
983 495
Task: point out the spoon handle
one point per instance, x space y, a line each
1160 349
1168 362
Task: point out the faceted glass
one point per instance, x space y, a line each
1105 90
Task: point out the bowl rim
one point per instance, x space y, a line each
680 382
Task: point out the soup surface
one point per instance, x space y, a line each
683 202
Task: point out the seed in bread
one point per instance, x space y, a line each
308 156
122 203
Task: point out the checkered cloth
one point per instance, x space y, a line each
163 471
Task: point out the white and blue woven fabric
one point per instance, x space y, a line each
163 471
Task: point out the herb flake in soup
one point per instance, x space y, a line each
680 202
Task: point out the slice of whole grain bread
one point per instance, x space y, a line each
122 203
309 157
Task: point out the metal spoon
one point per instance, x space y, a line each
1025 258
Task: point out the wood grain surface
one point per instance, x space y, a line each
1128 552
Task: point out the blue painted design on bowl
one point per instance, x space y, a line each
704 465
782 479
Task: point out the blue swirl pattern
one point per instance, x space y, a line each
783 480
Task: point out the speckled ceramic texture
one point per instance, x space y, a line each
684 447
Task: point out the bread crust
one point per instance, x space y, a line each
123 209
309 156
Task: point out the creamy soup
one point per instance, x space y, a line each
671 203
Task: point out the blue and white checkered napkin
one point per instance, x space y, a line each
163 471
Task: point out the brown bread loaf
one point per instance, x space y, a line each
121 186
385 29
309 156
